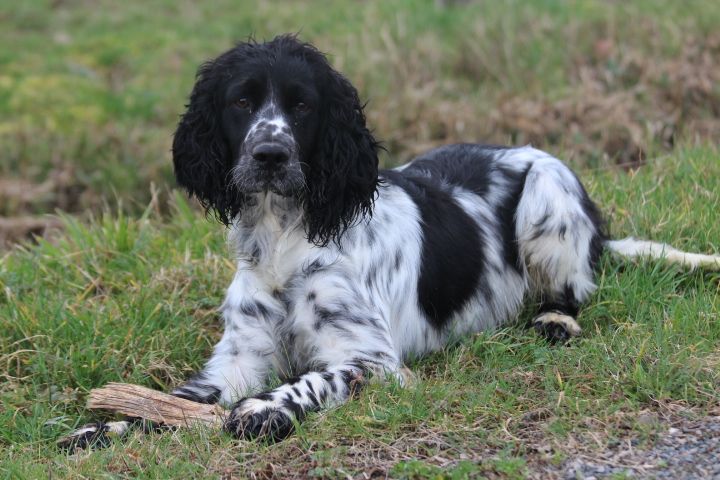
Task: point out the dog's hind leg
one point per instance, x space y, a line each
560 238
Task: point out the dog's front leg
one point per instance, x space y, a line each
344 339
243 357
238 366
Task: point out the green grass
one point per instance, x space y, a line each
123 299
90 93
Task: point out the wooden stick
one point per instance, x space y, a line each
137 401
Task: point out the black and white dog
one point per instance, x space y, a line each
344 271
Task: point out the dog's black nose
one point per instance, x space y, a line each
271 153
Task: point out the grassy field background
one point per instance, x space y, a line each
126 290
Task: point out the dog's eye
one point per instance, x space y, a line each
243 103
302 107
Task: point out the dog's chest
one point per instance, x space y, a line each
271 236
279 256
279 264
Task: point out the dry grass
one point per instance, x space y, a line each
622 103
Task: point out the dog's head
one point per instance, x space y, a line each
275 117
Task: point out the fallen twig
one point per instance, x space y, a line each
141 402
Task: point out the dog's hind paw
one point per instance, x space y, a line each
556 327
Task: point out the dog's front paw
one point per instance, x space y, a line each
253 418
93 435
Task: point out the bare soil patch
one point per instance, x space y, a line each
665 441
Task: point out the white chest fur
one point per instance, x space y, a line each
271 238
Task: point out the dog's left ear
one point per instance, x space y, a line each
343 174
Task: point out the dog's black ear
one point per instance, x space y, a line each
201 156
343 173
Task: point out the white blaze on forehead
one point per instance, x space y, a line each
271 119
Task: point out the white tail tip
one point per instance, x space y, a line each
630 247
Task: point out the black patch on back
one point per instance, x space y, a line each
466 165
452 250
471 166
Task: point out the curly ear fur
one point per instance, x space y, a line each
201 156
343 173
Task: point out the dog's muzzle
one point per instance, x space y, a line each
269 161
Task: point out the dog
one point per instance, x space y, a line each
343 270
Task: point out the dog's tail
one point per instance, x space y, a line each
632 248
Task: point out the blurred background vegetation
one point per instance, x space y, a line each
91 91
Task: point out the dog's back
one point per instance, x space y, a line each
497 222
